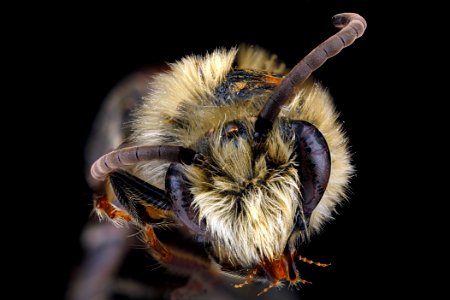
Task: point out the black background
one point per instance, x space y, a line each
102 48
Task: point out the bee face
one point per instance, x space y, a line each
246 195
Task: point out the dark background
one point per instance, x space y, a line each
104 47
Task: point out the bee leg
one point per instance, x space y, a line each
304 259
105 208
145 203
248 279
266 289
137 197
138 201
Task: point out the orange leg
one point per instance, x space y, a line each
205 273
265 290
249 279
181 261
279 283
105 208
304 259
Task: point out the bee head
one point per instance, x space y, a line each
248 177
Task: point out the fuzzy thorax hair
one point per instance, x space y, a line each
248 205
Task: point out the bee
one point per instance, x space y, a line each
241 155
